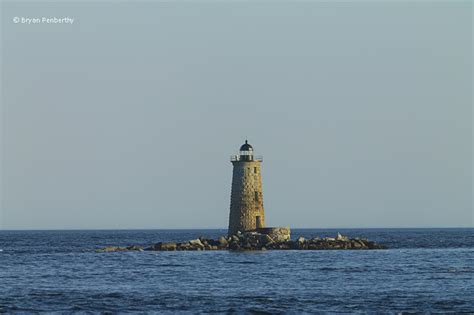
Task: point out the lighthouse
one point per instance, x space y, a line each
246 201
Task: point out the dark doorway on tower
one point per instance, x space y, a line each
258 220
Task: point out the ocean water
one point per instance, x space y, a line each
424 270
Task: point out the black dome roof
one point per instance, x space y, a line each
246 147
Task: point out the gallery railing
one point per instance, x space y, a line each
238 158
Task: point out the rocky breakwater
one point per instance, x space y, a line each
256 241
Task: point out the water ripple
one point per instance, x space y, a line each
53 271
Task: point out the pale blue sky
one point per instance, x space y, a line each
127 118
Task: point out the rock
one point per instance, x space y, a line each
165 246
278 234
135 248
222 242
107 249
234 246
339 237
265 239
313 246
208 241
284 245
373 245
112 249
212 242
183 246
293 244
196 243
301 243
252 233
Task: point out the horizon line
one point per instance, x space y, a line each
214 228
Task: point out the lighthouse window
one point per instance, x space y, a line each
256 196
255 170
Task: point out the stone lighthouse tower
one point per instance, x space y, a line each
246 201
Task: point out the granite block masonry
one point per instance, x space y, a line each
246 202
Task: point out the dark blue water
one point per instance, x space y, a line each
425 270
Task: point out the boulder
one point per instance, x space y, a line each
247 246
265 239
287 245
313 246
373 245
213 242
135 248
234 246
208 241
196 243
222 242
278 234
339 237
183 246
359 244
165 246
111 249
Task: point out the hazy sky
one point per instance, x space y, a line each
127 117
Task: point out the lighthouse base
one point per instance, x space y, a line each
278 234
